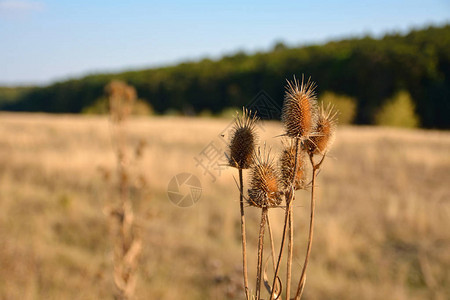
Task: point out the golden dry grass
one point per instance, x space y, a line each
382 223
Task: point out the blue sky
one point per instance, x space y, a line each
44 40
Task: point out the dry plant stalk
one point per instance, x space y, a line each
242 146
318 144
299 116
288 166
128 243
264 193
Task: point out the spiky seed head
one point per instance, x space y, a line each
287 165
299 111
264 189
325 130
243 140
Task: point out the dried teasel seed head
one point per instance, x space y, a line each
287 165
325 130
299 113
264 189
243 140
121 99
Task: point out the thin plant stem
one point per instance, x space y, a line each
303 287
289 200
301 282
243 236
272 244
260 252
290 253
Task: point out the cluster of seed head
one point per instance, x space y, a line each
121 99
303 120
264 189
243 140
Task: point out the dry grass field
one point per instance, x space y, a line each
382 224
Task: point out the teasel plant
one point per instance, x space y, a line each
299 117
288 163
240 156
127 239
264 193
319 144
309 131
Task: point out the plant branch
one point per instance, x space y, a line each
243 236
289 200
272 244
290 253
260 252
301 282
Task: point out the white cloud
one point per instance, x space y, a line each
19 7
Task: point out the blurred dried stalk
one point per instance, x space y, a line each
127 239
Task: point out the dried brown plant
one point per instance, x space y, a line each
309 131
128 243
264 193
241 149
121 99
288 166
319 144
299 117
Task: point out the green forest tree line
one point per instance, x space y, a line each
369 70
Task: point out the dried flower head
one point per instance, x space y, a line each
299 112
264 186
287 165
243 140
121 99
325 131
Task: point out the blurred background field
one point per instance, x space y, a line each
383 214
